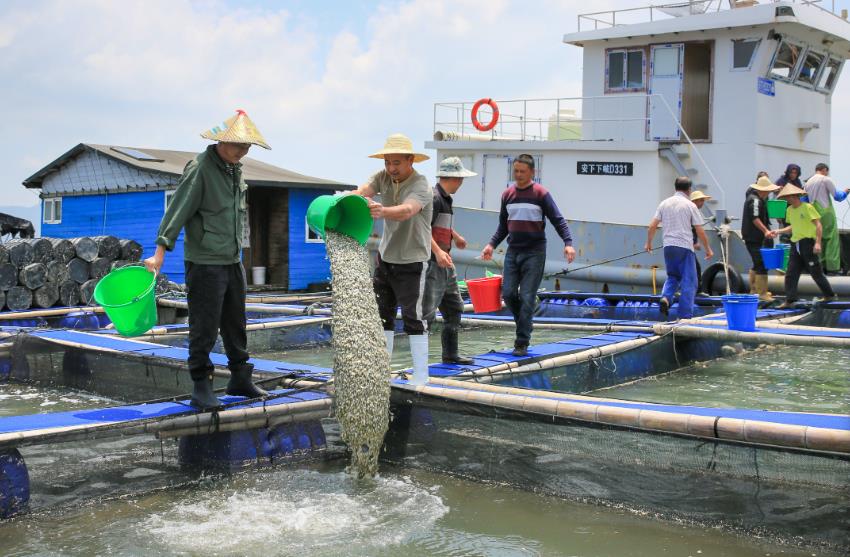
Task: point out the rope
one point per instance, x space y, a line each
565 272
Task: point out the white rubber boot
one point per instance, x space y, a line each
419 352
390 337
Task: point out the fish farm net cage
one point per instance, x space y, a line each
795 497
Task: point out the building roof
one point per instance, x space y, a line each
835 29
169 162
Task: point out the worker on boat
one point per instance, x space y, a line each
821 190
806 233
210 204
405 249
441 285
679 214
698 198
756 232
524 209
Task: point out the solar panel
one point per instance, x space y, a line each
136 154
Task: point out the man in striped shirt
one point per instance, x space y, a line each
525 207
679 215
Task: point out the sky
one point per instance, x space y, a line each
325 81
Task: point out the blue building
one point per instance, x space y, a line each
94 190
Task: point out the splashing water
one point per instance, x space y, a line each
361 362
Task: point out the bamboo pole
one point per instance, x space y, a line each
164 333
691 331
53 312
583 409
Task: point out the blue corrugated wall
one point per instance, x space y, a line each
308 262
135 216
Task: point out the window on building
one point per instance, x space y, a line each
311 237
785 60
625 70
810 67
665 62
168 196
743 53
52 210
826 80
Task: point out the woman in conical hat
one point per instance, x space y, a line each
209 204
806 234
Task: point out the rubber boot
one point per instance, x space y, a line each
752 277
419 352
450 353
390 338
240 383
203 396
761 289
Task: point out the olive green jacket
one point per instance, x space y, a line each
210 204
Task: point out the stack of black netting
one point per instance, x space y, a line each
44 272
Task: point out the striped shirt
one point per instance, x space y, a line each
678 214
522 218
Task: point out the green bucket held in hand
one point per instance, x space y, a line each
129 299
344 213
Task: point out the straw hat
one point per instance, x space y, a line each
452 167
237 129
696 195
789 190
764 184
399 144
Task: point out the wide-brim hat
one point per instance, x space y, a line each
764 184
789 190
452 167
696 195
237 129
399 144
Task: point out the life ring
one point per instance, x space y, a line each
478 125
707 280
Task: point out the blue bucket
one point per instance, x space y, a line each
741 311
772 257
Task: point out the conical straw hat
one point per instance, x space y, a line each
237 129
399 144
791 189
764 184
696 195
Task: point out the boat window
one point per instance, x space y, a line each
785 60
826 79
625 70
812 62
665 62
743 53
311 237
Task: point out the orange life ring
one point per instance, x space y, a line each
478 125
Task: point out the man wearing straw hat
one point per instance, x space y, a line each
402 267
679 216
210 204
806 233
441 285
698 198
755 229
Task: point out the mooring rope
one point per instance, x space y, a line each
565 272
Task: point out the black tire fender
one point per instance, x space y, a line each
736 285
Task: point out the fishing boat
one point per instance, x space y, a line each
712 90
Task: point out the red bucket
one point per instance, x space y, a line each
486 293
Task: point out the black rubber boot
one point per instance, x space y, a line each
520 349
240 383
203 396
450 354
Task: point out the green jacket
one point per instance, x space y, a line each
210 204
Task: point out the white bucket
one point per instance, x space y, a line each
258 275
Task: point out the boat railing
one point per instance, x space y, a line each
601 118
622 118
626 16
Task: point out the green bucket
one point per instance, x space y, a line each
344 213
776 208
129 299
